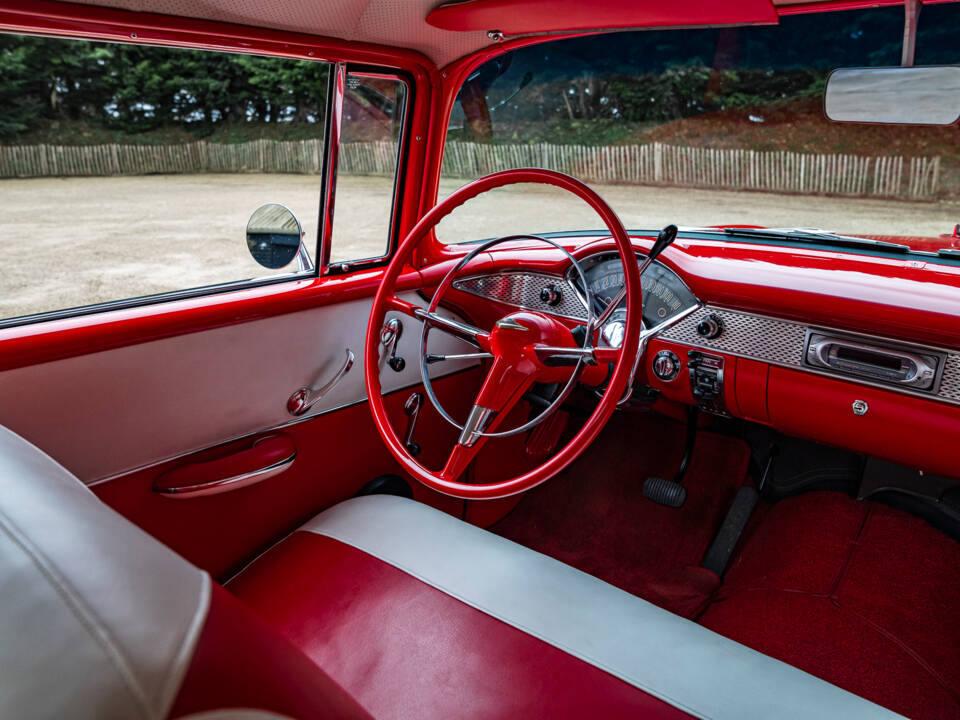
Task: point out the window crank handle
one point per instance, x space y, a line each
411 409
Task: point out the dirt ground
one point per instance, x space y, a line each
76 241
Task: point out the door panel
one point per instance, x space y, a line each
337 453
106 413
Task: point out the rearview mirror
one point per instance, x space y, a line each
894 95
275 238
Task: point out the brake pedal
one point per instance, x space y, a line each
664 492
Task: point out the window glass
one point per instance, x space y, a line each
374 109
707 127
131 170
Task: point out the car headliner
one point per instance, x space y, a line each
403 23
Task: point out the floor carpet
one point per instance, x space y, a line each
594 515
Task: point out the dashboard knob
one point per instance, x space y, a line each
710 327
666 365
551 295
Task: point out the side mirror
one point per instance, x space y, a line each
894 95
275 238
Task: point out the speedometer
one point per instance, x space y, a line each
664 293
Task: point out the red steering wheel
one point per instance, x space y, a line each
525 347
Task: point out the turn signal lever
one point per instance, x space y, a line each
664 238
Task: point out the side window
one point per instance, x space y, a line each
371 132
129 171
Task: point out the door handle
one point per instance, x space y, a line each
267 457
306 397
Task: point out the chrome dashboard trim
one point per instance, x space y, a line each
781 342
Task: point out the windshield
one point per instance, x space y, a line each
709 128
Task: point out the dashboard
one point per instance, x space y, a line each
665 295
847 350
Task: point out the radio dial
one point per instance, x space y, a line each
710 327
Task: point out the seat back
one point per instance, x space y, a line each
99 620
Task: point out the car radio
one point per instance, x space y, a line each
862 357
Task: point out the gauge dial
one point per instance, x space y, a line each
664 294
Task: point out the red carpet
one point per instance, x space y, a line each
856 593
595 518
861 595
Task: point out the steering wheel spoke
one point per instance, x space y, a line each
502 389
473 335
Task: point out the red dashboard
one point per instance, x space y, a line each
772 302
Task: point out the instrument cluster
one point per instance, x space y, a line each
664 294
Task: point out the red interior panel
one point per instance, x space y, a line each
751 389
908 430
678 389
336 454
514 17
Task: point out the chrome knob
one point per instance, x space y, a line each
666 365
551 295
710 327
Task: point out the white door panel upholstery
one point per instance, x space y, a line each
98 619
109 412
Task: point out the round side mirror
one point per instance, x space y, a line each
274 236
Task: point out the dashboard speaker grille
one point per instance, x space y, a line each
523 290
753 336
950 382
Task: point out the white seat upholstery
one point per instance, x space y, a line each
97 619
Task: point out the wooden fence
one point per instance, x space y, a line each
657 163
653 163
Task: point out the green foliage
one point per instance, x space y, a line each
131 89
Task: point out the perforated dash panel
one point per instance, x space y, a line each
754 336
950 382
522 290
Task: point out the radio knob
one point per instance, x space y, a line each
551 295
710 327
666 365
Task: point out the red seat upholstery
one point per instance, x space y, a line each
407 650
418 614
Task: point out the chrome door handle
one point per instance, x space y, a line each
306 397
267 457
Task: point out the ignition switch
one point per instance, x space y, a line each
666 365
